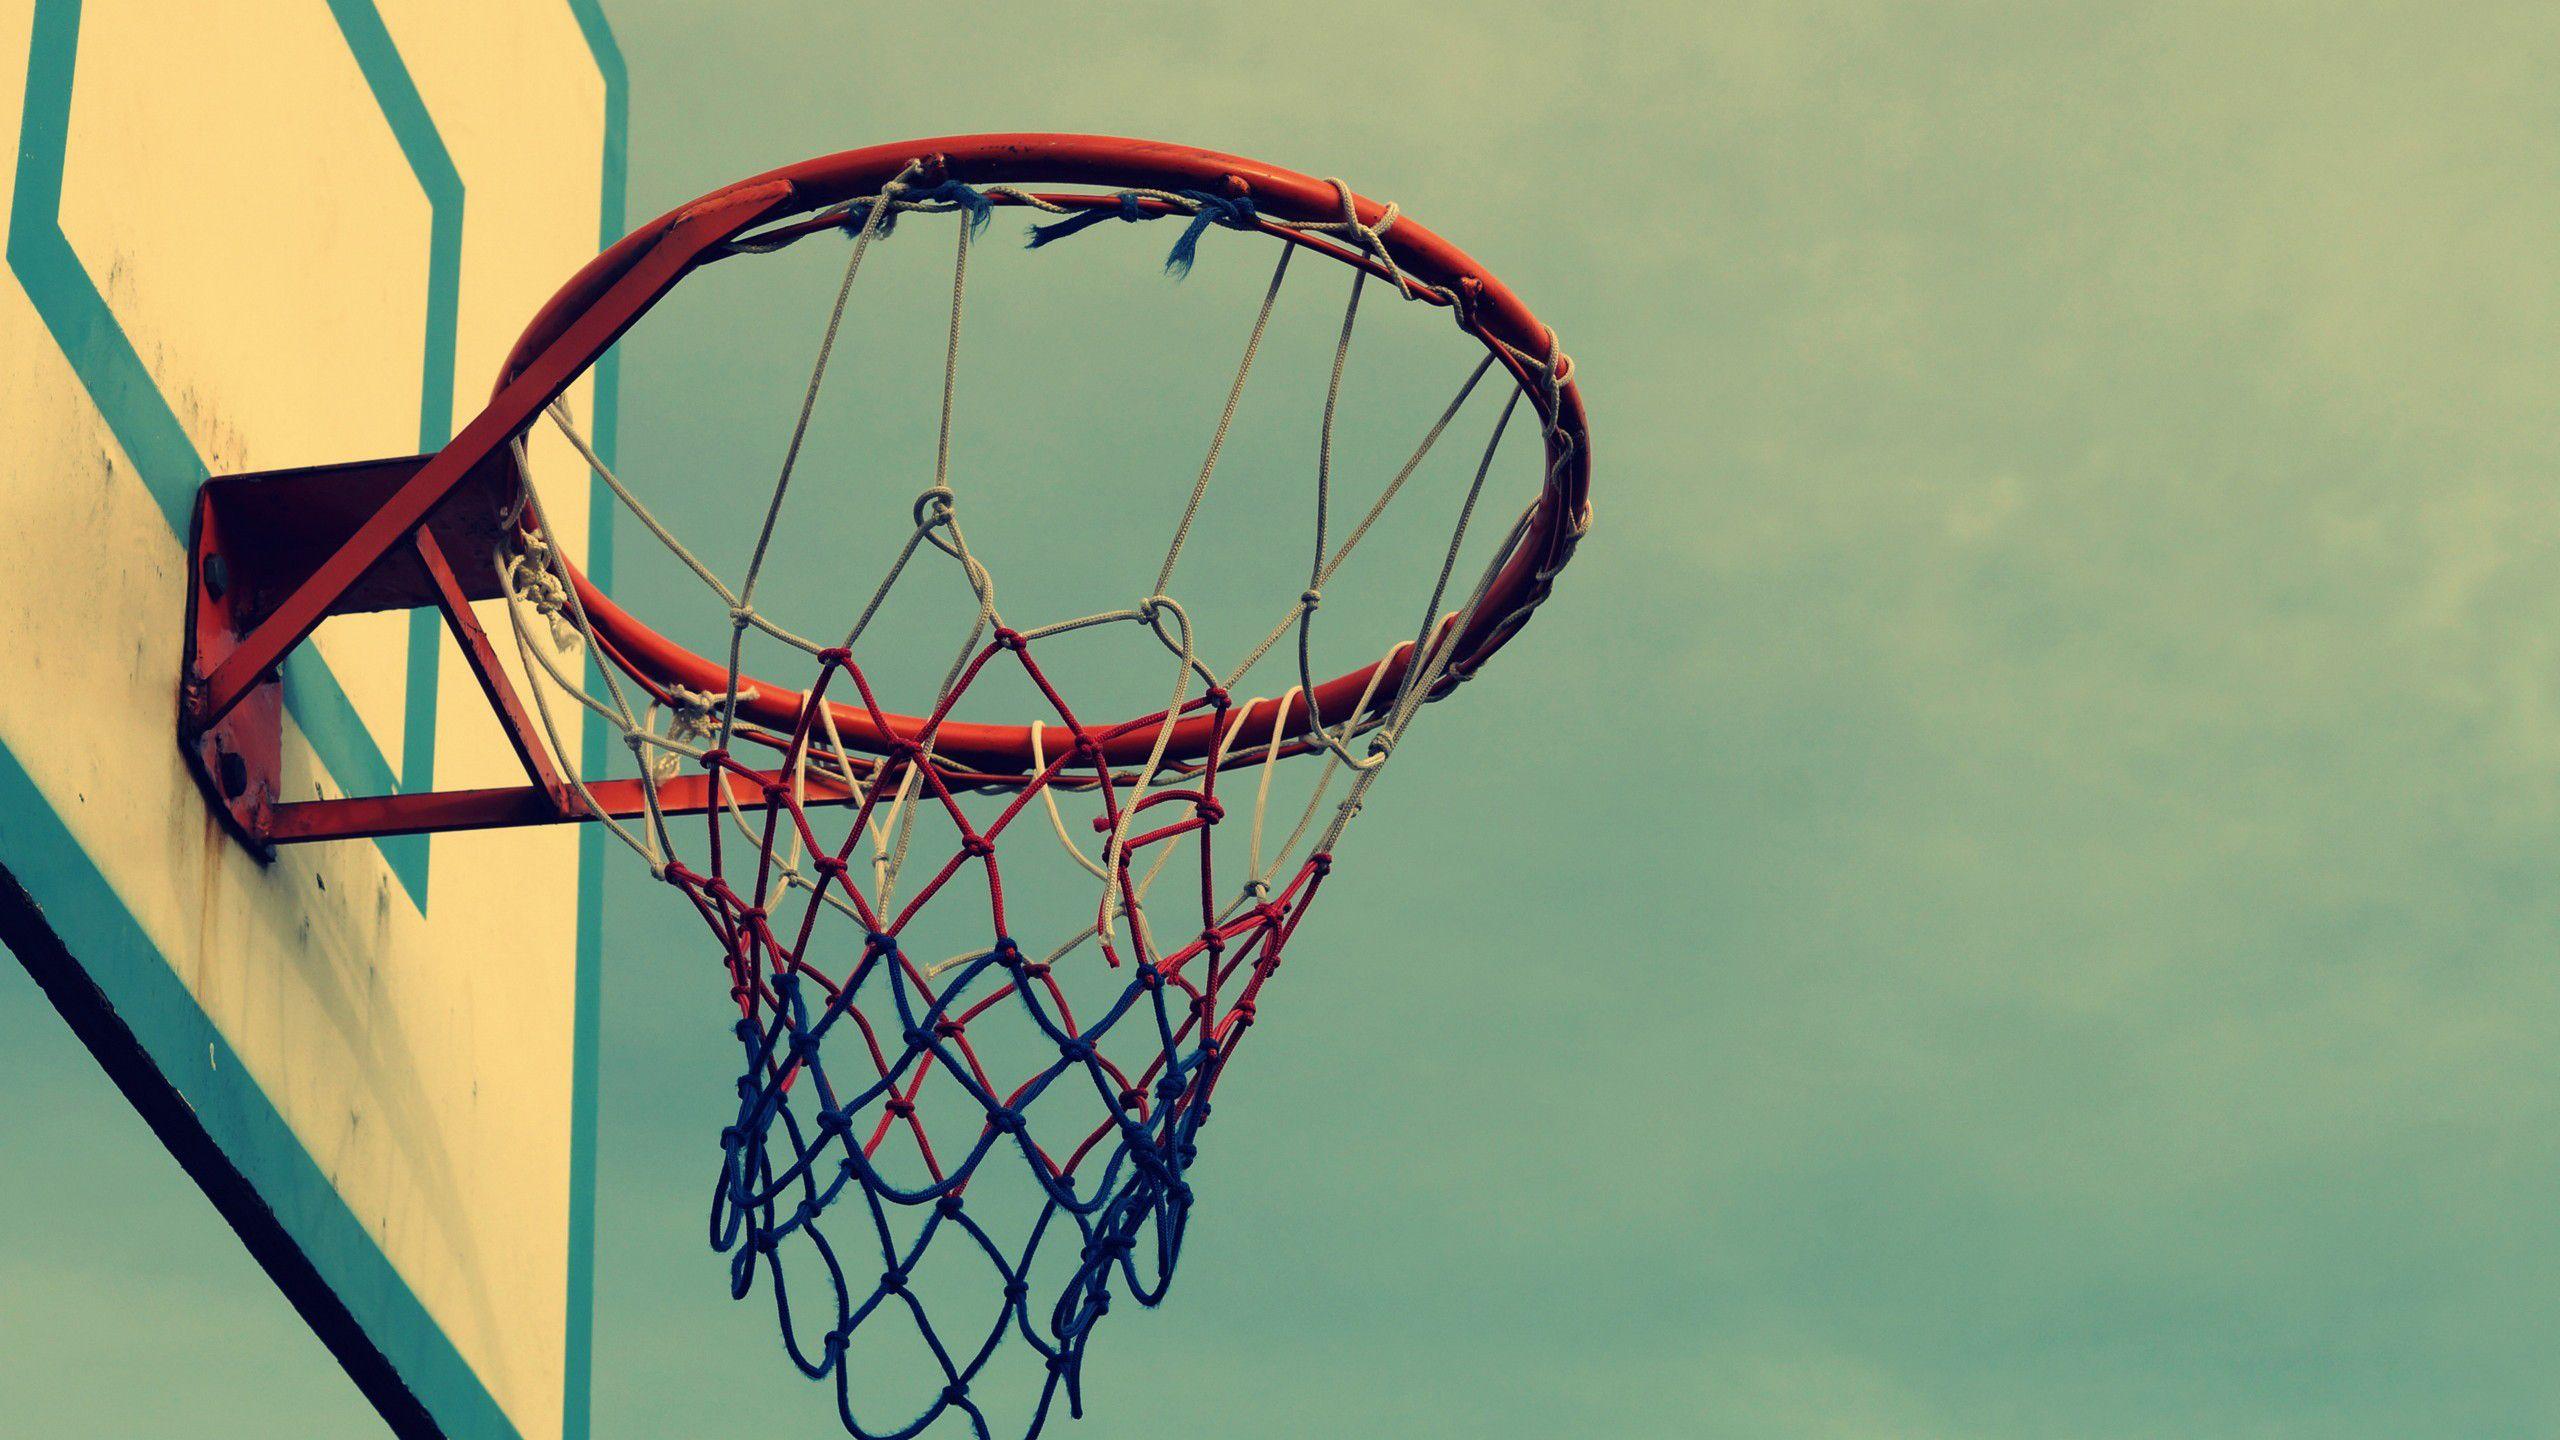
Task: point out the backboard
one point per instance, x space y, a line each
247 238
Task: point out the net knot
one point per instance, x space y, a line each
977 847
939 500
1310 598
1235 212
1076 1048
1006 1119
696 717
1007 638
1372 239
892 1283
955 1393
948 1206
835 657
540 586
902 1108
858 214
963 198
1209 810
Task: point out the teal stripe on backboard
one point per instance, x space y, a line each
405 110
595 755
138 982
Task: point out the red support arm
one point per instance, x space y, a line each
494 684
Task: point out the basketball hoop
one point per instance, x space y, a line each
792 810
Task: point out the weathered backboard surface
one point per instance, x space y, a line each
244 237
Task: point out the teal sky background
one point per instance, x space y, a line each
2008 896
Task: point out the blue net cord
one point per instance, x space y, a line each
834 1069
1235 212
972 205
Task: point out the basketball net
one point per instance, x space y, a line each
991 1143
